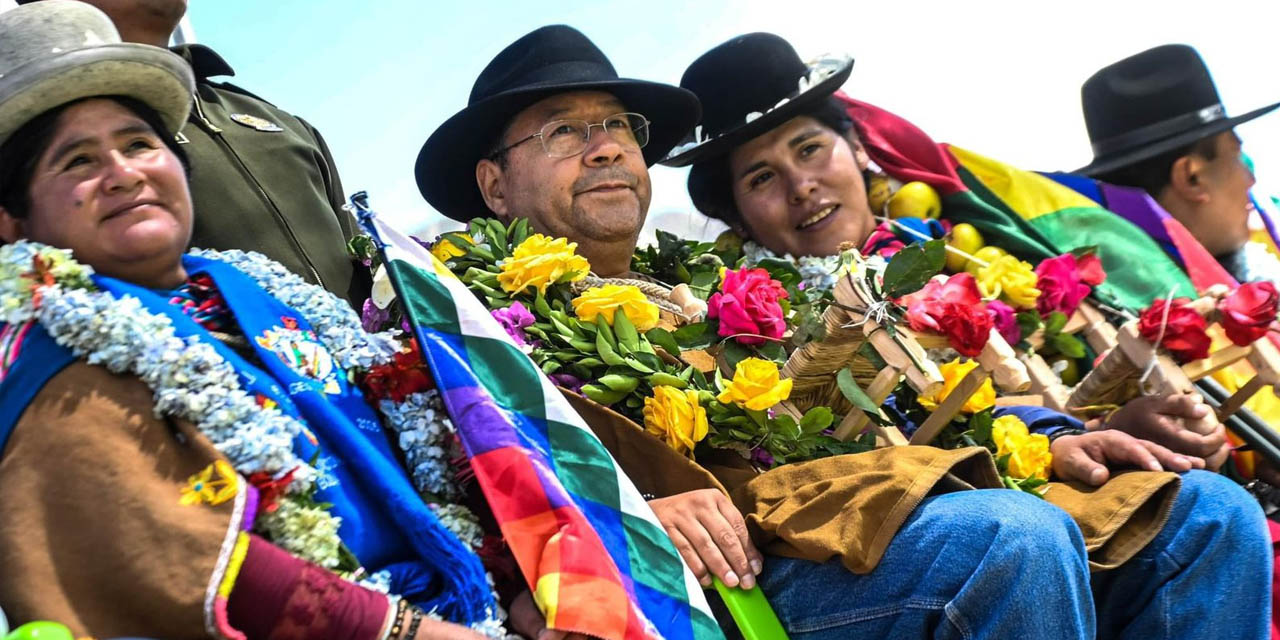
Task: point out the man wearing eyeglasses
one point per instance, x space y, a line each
552 134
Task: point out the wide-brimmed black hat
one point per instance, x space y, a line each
748 86
1151 103
550 60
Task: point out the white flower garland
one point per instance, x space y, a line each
816 272
191 381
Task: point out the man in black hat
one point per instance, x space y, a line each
552 134
1155 122
263 180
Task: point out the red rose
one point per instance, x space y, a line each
1247 312
952 308
1089 266
406 374
967 328
1184 329
747 303
1059 282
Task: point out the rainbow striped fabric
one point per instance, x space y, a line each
593 553
1022 212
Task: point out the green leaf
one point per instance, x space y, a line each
783 271
665 379
551 366
698 335
1055 322
625 331
1068 345
663 338
980 424
912 267
785 425
540 305
616 382
854 394
634 363
519 231
602 395
735 353
605 350
604 331
773 351
1028 322
816 419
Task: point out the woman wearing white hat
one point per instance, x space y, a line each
183 454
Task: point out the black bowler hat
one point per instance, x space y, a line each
748 86
550 60
1151 103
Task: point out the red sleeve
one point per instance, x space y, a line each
278 596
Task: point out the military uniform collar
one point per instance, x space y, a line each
205 62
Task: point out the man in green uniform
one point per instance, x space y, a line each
262 180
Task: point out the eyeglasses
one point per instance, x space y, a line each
565 138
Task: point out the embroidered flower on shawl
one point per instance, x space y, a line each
214 485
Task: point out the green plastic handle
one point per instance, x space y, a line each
750 609
41 631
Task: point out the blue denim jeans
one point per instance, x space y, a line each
1002 564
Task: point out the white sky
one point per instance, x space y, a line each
1001 78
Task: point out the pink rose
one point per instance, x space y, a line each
747 303
1059 282
952 308
1005 320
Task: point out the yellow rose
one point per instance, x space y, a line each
540 261
612 297
444 249
1028 453
1010 278
755 385
952 373
676 417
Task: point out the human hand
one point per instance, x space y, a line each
1090 457
528 621
711 536
429 629
1182 422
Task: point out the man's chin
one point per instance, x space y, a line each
611 225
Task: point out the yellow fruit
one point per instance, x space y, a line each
966 238
878 193
985 254
915 200
1070 372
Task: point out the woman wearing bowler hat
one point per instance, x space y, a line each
774 157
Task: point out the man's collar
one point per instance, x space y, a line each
204 61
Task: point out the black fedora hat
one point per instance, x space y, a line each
1151 103
748 86
550 60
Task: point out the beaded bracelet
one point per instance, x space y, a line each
1066 431
413 625
401 605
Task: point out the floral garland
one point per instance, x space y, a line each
425 434
816 272
191 381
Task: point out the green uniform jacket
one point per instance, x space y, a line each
263 180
